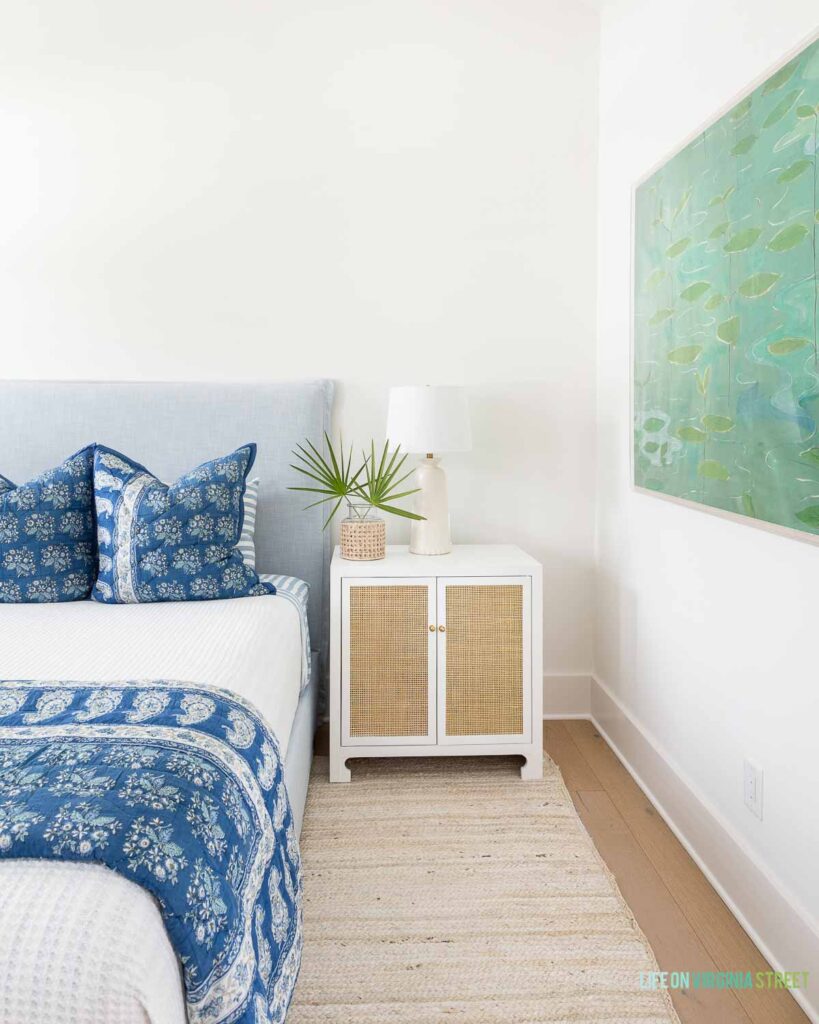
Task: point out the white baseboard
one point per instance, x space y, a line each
779 926
567 696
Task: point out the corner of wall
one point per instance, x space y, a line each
567 696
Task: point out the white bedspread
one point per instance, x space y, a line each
96 937
82 945
251 646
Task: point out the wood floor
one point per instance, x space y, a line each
686 922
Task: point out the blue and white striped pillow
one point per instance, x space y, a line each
247 542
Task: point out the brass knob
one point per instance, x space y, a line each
432 629
442 629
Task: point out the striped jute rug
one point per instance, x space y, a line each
447 890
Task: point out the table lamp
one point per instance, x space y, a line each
429 420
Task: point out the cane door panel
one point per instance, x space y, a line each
389 661
484 659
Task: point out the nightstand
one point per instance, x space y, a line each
436 655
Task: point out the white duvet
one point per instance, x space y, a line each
78 943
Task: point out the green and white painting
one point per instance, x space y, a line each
726 357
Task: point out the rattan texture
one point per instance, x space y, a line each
484 660
363 541
389 661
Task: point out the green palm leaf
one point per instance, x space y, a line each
376 482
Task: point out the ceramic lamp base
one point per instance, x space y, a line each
431 535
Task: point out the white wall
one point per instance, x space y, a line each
707 628
388 192
404 191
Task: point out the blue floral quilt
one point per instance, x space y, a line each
179 788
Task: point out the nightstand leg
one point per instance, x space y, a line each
532 767
339 772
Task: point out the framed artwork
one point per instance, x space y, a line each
726 343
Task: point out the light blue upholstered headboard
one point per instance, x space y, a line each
172 427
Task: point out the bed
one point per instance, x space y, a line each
80 943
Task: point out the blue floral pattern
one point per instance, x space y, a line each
158 782
15 822
177 542
47 534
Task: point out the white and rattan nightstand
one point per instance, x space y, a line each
436 655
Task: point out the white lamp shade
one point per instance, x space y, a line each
429 419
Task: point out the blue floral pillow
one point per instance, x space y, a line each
172 543
47 534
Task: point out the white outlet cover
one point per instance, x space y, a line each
752 788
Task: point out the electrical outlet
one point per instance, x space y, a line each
753 788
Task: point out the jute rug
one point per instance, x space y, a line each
447 890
